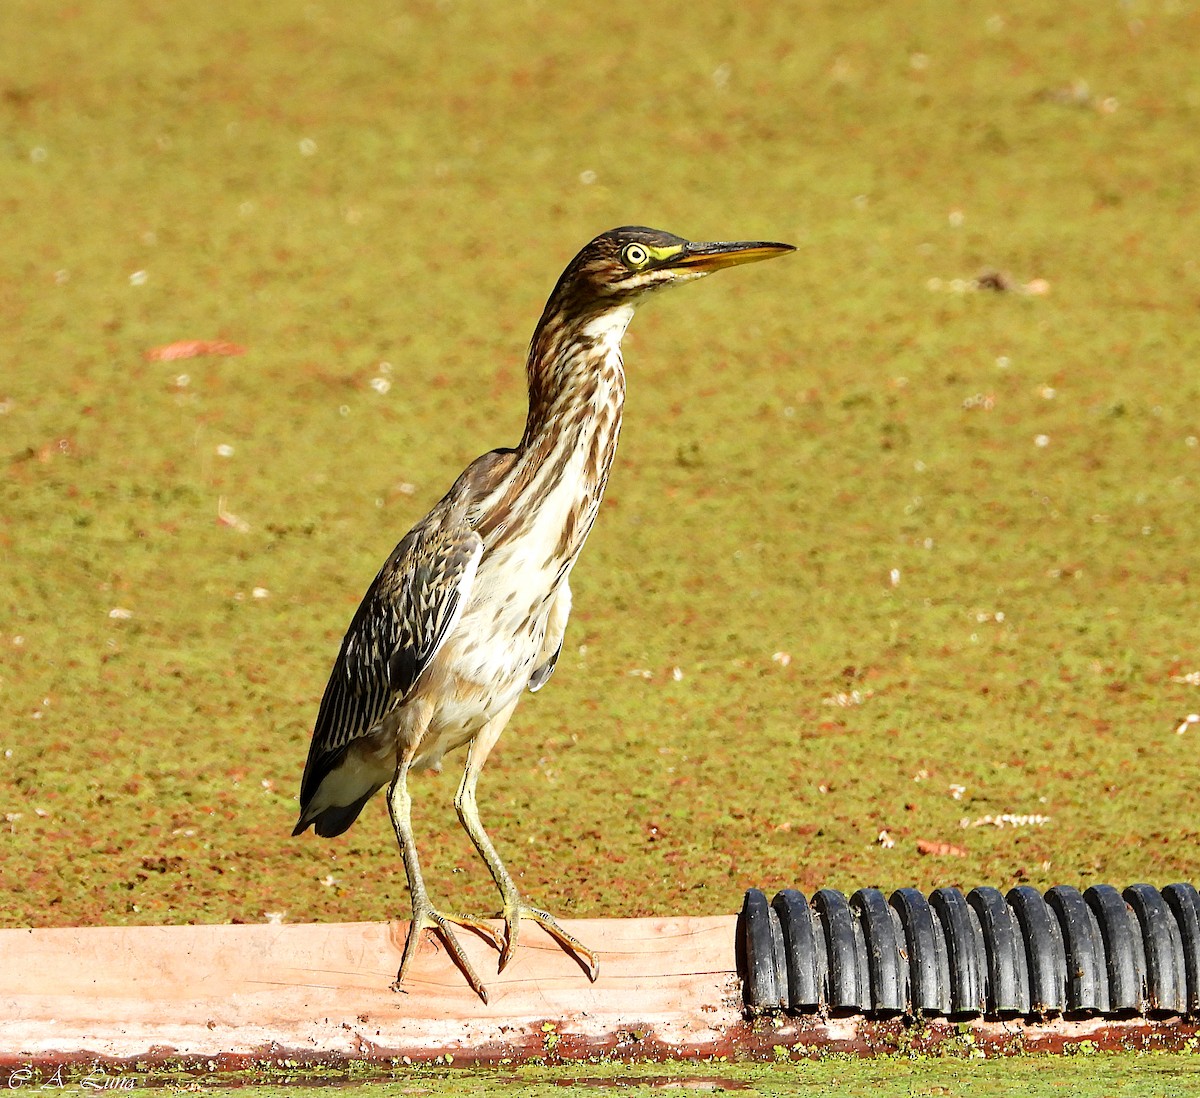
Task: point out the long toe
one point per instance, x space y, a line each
482 927
515 911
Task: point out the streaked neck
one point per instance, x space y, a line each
573 366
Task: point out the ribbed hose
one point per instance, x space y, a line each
1099 952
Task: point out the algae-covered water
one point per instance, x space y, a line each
901 536
1153 1075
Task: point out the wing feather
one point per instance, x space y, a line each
556 627
411 607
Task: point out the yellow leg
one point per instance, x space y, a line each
515 906
424 916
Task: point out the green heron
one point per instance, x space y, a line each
470 609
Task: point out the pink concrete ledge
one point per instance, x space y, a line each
217 998
321 992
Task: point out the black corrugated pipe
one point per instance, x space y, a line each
1096 953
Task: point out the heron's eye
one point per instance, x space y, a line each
634 256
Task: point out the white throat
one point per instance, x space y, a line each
609 328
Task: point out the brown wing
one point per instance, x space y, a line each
405 617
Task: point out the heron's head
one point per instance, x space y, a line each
622 264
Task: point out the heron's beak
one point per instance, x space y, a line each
702 258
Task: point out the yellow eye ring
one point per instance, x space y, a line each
634 256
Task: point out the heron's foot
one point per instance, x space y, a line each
425 917
517 909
